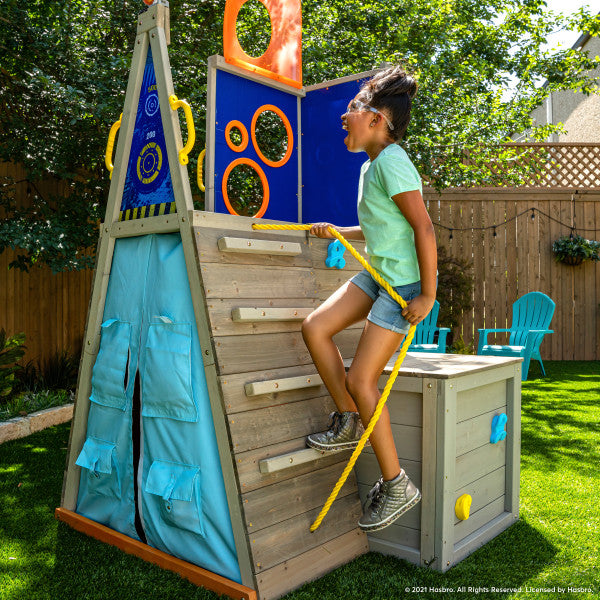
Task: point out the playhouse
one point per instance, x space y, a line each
196 391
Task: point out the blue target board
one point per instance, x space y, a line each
148 188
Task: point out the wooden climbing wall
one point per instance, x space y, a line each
258 287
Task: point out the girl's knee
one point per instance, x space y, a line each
310 327
360 388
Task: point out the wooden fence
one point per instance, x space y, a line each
51 309
515 257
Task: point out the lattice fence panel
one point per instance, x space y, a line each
558 165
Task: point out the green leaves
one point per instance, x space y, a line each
64 67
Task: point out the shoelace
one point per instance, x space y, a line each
336 422
374 496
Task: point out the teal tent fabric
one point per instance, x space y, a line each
150 328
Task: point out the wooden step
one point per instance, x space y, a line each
251 246
257 388
286 461
254 315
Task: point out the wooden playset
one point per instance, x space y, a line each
196 391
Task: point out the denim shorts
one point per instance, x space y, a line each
386 312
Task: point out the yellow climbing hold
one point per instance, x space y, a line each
390 382
463 506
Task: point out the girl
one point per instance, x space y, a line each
402 249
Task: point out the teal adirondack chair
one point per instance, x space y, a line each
531 318
425 331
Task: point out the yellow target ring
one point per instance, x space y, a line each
149 163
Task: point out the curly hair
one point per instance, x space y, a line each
392 89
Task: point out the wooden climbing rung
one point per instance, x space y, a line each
250 246
253 315
286 461
282 385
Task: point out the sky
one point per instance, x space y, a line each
568 38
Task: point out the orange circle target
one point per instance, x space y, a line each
263 179
288 129
244 133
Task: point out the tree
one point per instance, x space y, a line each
64 67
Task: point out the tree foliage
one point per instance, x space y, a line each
64 67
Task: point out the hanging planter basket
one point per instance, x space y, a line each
572 261
573 249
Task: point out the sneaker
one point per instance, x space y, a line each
387 501
344 433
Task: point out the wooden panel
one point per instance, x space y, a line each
236 399
475 432
286 499
408 442
478 519
278 543
250 246
484 491
406 408
399 535
329 281
368 471
251 478
480 400
267 426
244 281
477 463
240 354
264 314
290 574
207 240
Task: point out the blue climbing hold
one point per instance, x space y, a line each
498 432
335 255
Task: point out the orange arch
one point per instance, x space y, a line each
288 129
282 60
243 131
263 179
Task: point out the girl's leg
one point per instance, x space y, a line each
348 305
375 349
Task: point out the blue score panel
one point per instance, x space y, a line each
150 415
238 99
148 187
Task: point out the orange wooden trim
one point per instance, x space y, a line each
197 575
263 180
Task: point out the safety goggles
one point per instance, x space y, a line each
357 105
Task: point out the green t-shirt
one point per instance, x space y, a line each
390 238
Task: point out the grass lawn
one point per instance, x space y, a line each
555 544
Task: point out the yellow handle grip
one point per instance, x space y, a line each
189 119
200 171
111 144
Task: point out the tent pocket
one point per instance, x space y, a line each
167 376
110 368
177 487
98 457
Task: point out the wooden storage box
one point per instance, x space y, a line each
441 407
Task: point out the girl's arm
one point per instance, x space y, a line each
413 208
351 233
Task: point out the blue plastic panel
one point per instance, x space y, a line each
237 99
148 181
329 172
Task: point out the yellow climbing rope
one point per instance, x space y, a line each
390 382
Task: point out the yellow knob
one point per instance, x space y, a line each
463 506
